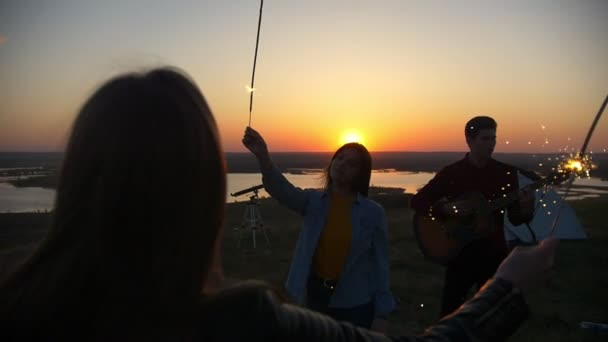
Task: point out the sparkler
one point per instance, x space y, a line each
579 163
255 58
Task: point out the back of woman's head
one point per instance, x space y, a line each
139 203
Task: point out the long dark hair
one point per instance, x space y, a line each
138 209
361 183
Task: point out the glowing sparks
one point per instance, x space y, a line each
579 166
574 165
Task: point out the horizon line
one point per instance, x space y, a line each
372 151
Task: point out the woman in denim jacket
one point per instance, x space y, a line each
340 266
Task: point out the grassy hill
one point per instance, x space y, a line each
576 292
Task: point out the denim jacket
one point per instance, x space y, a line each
365 276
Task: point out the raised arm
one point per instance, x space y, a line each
274 182
256 144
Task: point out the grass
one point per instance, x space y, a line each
576 292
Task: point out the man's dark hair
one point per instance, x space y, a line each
472 128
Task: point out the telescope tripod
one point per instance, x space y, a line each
252 220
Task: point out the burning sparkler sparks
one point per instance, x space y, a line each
574 165
579 166
581 160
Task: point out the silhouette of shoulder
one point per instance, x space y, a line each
242 312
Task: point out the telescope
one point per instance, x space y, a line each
252 189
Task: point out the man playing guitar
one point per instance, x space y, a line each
449 195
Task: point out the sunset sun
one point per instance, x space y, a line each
351 136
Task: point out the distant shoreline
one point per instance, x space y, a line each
46 165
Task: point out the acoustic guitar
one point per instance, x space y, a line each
442 239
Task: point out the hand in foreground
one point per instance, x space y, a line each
254 142
379 325
525 266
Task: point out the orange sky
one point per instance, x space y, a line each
406 75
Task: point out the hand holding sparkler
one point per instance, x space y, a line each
526 266
256 144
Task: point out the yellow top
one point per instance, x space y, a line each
335 239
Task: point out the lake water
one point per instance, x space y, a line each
410 181
14 199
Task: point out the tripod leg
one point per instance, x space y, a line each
261 225
243 225
252 224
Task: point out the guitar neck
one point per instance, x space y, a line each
512 196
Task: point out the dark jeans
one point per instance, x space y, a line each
318 297
472 267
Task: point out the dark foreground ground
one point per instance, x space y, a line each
576 292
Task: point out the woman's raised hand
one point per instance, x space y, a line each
255 143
